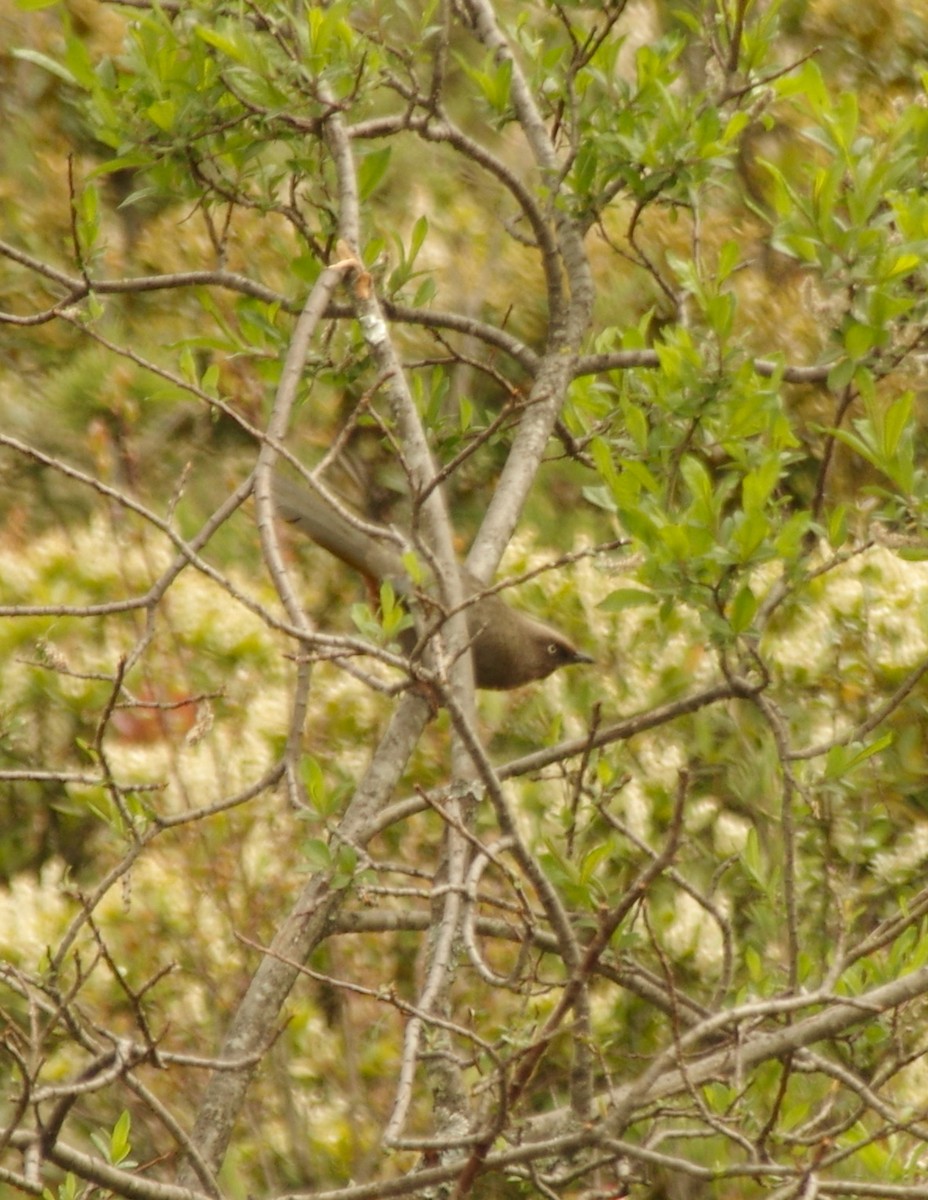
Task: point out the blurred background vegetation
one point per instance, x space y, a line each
816 180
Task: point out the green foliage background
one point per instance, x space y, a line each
747 415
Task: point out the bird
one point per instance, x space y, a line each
508 648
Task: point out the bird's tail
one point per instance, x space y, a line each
361 545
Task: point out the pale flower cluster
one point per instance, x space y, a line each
872 605
730 834
872 610
199 609
694 933
906 857
636 808
875 600
33 911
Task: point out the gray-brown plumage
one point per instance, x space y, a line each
508 648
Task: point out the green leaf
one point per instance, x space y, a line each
895 423
163 113
632 468
789 538
116 1148
66 1191
636 424
371 170
496 86
365 621
639 524
419 233
604 463
743 609
697 479
841 374
393 615
78 61
729 257
414 568
120 1146
676 540
317 854
424 292
42 60
88 217
209 381
494 83
758 484
327 32
346 866
903 264
229 46
842 759
750 533
756 965
313 779
592 859
859 340
837 527
623 598
599 497
584 172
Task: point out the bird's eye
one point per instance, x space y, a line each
552 649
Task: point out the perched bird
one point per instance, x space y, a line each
508 648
